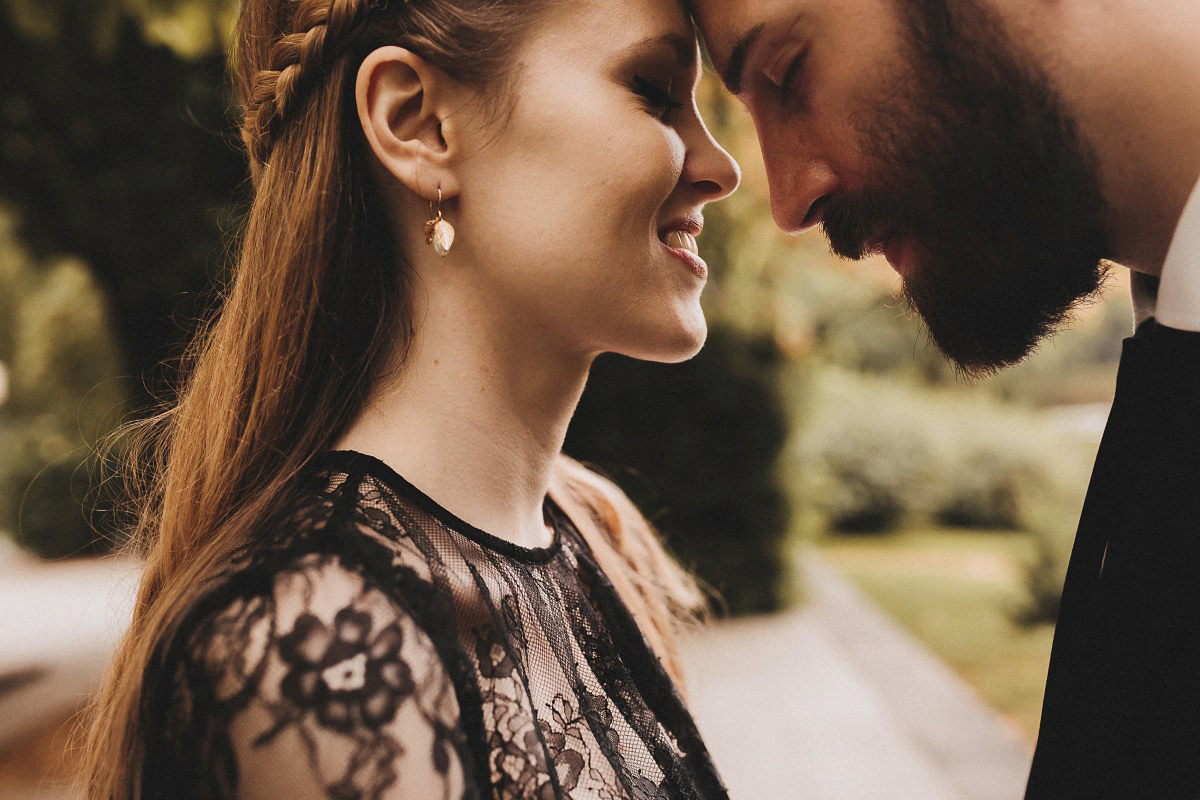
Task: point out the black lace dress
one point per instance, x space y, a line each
375 646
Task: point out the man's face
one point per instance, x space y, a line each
916 128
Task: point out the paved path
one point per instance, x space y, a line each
829 702
59 623
834 702
1086 419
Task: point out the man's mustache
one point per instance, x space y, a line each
861 223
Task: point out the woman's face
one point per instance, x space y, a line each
579 207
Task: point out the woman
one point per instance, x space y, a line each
459 204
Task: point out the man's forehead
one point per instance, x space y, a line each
726 25
719 22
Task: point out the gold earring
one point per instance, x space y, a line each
439 232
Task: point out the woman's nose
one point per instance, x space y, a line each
709 170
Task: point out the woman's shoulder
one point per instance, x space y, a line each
340 509
307 613
329 553
305 678
318 662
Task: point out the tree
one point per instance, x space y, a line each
118 150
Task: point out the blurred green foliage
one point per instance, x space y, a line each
191 28
876 453
1051 511
62 364
118 151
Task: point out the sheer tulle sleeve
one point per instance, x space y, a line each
323 688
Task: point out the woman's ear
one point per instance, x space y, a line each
404 106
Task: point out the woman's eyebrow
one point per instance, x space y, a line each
683 48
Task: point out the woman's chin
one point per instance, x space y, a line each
672 347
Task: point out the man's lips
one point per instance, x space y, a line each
898 252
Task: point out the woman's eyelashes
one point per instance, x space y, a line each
657 95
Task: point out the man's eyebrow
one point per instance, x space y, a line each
732 76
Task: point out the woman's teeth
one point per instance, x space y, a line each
682 240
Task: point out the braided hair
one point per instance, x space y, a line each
321 31
288 48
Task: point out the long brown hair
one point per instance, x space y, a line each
316 315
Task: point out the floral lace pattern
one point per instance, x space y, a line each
374 647
347 678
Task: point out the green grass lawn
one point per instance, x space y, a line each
959 592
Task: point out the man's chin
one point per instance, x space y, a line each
984 309
986 332
977 357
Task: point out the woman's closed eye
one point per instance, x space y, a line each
657 96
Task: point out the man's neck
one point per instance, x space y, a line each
1130 73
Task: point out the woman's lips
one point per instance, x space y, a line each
683 246
679 237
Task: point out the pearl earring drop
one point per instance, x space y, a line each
439 232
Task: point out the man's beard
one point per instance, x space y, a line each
981 170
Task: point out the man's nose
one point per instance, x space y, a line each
800 186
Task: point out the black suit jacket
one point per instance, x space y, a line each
1121 717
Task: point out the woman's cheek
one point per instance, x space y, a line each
657 152
662 155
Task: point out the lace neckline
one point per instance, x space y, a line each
368 464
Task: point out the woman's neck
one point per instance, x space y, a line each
477 415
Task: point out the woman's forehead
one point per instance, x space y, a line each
602 27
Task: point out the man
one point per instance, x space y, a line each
1000 153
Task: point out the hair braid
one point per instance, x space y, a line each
322 30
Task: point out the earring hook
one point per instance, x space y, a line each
438 215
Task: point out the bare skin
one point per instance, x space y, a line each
1130 72
561 211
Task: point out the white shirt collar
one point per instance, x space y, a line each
1178 303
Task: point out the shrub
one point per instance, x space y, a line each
46 496
51 520
875 451
867 478
1050 510
866 454
696 445
65 359
985 492
62 360
989 469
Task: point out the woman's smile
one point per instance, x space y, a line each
679 238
